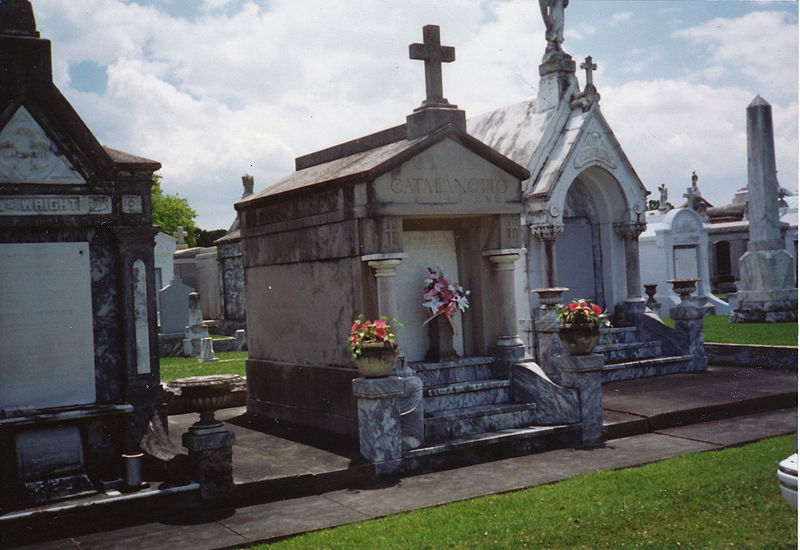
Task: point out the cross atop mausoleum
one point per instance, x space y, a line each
690 196
433 54
589 67
181 235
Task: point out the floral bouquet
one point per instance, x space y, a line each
364 332
582 312
443 297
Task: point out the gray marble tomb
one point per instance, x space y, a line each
79 375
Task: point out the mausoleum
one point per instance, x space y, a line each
79 375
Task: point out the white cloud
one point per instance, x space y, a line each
670 128
240 90
761 46
621 17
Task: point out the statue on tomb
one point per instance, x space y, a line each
663 201
553 15
248 182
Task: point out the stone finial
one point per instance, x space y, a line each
433 54
589 96
248 182
16 18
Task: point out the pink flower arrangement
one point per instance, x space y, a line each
369 332
580 312
443 297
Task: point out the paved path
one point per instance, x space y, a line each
701 406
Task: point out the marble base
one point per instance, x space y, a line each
555 404
584 373
765 306
379 428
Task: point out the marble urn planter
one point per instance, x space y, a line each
206 394
377 359
683 287
579 339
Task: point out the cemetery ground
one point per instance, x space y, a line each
717 499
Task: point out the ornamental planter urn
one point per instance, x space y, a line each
377 359
579 339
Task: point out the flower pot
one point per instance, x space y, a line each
579 339
377 359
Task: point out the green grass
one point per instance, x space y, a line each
230 362
717 329
725 499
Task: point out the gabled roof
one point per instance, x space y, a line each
371 163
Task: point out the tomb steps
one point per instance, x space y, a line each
626 356
463 398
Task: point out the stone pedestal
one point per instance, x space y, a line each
634 304
548 344
584 373
688 316
211 459
207 350
379 428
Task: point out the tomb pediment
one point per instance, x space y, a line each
28 155
447 171
586 141
447 178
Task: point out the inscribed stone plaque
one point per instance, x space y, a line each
46 323
46 452
685 262
424 248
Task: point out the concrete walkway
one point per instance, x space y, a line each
649 420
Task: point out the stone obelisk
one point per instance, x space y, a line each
767 291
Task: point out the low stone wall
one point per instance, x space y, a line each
170 345
740 355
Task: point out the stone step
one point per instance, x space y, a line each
487 446
466 394
643 368
461 370
451 424
618 353
618 335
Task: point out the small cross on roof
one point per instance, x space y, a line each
589 66
433 54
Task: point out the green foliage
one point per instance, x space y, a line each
722 499
655 204
170 211
230 362
207 238
717 329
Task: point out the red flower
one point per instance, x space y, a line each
596 309
573 307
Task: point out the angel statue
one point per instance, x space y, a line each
553 14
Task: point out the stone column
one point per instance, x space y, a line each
547 234
509 347
211 459
584 373
634 304
385 267
411 405
379 429
548 345
688 318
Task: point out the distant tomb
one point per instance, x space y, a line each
79 378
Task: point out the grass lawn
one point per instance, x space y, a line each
230 362
724 499
718 330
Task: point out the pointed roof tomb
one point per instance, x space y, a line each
561 132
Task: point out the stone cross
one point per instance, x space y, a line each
690 196
589 66
180 234
433 54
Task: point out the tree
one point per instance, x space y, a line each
207 238
655 204
170 211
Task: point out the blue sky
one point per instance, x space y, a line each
216 88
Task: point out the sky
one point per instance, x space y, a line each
214 89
